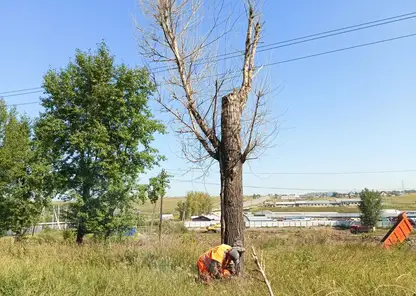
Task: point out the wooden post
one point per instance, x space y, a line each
161 215
56 215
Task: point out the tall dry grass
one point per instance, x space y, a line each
300 262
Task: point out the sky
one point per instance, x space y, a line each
348 112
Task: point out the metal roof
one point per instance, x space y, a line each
384 213
210 217
257 218
315 202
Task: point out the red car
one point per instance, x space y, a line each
360 229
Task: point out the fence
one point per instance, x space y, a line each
42 226
249 224
50 225
313 223
199 224
309 223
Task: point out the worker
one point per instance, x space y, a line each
220 262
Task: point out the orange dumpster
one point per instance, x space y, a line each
399 232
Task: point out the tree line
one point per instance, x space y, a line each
196 203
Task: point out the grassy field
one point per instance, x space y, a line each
406 202
169 205
298 262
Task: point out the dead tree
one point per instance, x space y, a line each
214 122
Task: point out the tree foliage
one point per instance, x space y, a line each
196 203
97 131
156 190
158 186
370 207
23 175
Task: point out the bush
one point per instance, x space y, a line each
173 227
68 235
48 236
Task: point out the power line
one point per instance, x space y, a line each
292 41
340 49
23 104
270 187
322 173
341 29
20 90
293 59
299 40
21 94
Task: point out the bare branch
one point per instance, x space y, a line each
166 21
249 53
250 143
262 269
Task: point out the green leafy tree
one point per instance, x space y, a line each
196 203
97 131
23 175
370 207
156 191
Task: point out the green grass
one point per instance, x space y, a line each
169 205
406 202
298 262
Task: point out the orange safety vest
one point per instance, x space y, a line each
219 254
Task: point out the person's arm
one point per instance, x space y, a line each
231 267
214 269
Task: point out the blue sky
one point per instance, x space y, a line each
351 111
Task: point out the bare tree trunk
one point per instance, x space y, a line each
222 206
232 169
153 217
233 217
80 234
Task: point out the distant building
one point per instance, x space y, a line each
350 202
167 217
315 203
252 218
290 197
205 218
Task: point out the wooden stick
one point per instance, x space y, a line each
261 268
